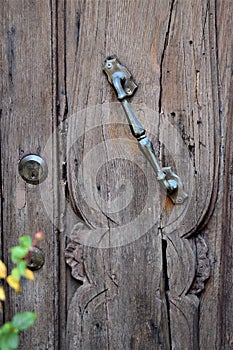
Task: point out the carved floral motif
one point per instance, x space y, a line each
74 252
203 266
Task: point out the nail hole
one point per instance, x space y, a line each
173 114
98 326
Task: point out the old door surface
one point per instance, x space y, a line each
124 267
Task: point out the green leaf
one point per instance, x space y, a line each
25 241
24 320
7 327
22 265
18 253
8 337
9 341
16 274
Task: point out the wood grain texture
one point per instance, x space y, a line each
189 99
122 303
146 274
221 223
171 65
26 123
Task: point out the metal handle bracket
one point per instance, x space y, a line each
123 83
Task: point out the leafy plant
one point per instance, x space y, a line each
20 256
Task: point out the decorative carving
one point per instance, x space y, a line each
74 252
203 266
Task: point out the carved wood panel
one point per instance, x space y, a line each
133 247
143 273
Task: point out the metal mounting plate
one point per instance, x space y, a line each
179 196
119 77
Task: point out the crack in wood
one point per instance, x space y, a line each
166 287
163 56
11 52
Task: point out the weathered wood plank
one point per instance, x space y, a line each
216 306
190 101
26 124
183 84
205 94
142 262
121 304
225 46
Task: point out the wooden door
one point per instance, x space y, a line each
124 267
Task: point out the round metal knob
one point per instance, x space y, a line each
36 259
33 169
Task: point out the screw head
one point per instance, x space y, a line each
109 65
33 169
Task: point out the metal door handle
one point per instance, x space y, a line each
122 81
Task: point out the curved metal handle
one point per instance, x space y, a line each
122 81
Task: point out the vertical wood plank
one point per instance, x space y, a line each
182 84
190 100
216 303
208 86
225 46
121 304
26 124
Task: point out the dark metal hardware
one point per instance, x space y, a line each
33 169
122 81
36 259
